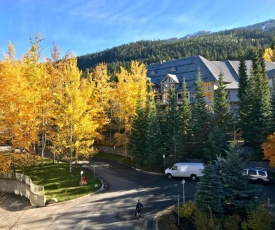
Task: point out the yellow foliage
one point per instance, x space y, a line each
17 103
24 159
269 149
131 87
74 111
269 54
5 163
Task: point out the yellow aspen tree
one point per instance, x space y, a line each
36 75
269 149
269 54
73 113
54 86
18 104
131 85
21 160
100 98
5 163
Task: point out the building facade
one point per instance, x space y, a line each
169 75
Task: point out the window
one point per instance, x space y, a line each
252 172
174 167
180 98
261 173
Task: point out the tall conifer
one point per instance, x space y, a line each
171 126
255 108
243 79
185 117
138 134
223 117
200 121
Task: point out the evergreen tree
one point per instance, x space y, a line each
171 127
209 196
138 135
255 108
273 108
246 120
223 117
155 145
218 142
200 121
243 79
185 117
240 195
265 100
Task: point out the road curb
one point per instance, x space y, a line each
156 219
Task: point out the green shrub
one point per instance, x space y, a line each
232 222
258 219
187 210
203 221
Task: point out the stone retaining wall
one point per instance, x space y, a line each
22 185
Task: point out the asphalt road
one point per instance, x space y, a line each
114 208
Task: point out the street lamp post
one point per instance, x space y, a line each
183 194
164 161
94 168
178 210
81 173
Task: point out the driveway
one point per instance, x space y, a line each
114 207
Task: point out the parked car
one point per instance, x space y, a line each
258 174
185 169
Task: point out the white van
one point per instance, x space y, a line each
185 169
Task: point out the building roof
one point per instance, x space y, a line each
210 70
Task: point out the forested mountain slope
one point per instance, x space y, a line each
228 44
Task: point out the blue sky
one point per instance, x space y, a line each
88 26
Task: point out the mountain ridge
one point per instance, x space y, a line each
226 44
266 25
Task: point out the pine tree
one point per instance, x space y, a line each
272 129
138 137
240 195
246 120
223 117
255 108
209 196
218 142
243 79
172 125
200 121
261 103
185 117
155 145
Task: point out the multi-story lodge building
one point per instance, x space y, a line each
169 75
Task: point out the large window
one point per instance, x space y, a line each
180 97
208 90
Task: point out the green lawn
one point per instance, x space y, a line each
59 183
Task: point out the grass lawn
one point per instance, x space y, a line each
59 183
